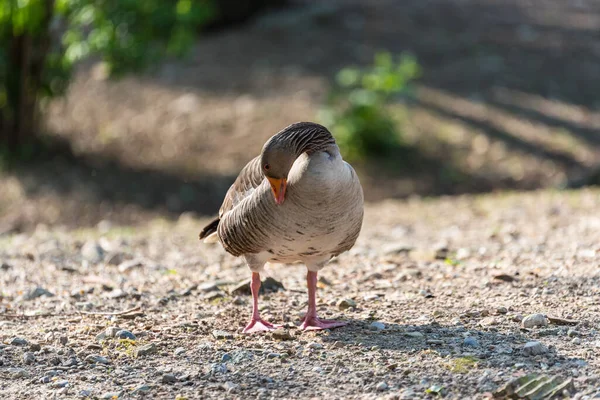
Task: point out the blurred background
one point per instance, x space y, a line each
118 111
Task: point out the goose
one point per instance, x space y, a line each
298 201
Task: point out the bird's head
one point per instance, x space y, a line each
276 161
281 150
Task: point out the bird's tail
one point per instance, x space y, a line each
209 233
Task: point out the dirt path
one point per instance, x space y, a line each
450 318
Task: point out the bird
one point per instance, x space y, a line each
298 201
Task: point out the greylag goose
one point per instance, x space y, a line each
298 201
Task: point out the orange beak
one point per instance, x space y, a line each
278 187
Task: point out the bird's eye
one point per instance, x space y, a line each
267 167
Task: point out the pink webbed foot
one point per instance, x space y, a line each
317 324
259 325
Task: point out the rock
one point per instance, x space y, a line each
281 334
17 341
168 378
345 304
34 346
112 331
18 372
146 350
377 326
97 359
226 357
501 310
382 387
85 393
273 355
125 334
208 287
37 292
45 379
268 285
488 321
179 351
576 340
101 337
470 341
111 395
315 346
217 334
416 335
534 320
63 340
28 358
142 389
128 265
5 266
60 384
218 368
534 349
92 252
573 333
230 387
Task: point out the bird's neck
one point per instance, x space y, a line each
310 140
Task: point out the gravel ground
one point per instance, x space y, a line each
438 295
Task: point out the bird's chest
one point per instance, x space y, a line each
314 229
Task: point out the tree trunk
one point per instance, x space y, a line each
26 59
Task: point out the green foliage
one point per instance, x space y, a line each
130 34
356 110
41 40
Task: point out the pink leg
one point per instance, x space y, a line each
311 322
256 323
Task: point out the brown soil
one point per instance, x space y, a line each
450 279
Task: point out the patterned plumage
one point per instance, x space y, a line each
320 218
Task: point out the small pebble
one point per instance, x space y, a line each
96 359
146 350
534 349
231 387
273 355
471 342
85 393
179 351
573 333
92 252
416 335
37 292
377 326
345 304
534 320
382 387
111 395
34 346
17 341
226 357
142 389
501 310
18 372
217 334
28 358
576 340
60 384
45 379
111 331
63 340
315 346
168 378
281 334
125 334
